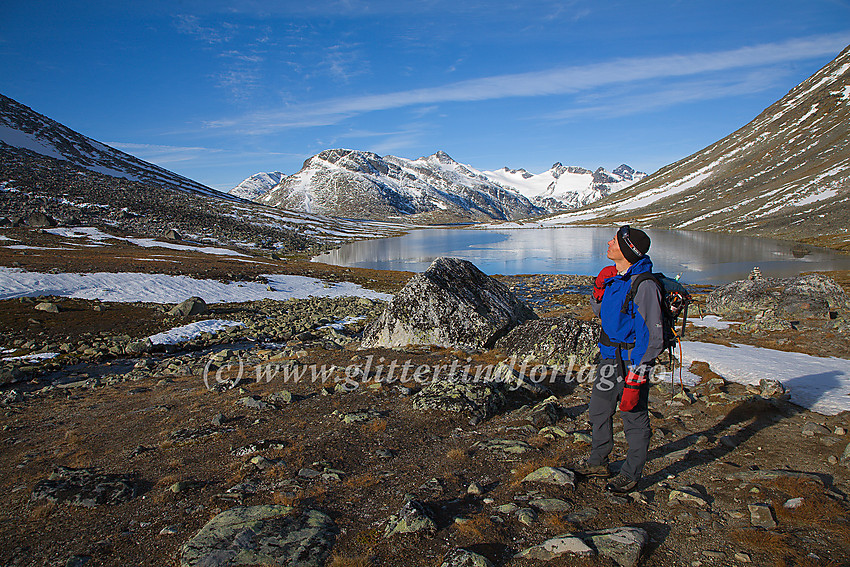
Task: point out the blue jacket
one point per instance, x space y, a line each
642 325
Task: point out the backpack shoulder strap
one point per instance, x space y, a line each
636 281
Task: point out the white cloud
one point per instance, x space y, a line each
643 98
558 81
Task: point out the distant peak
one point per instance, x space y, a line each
442 157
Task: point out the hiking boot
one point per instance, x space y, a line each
584 468
621 484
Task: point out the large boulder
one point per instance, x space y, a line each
812 295
452 304
189 307
561 341
262 535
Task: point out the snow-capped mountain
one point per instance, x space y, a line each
361 184
564 188
785 174
357 184
257 185
22 127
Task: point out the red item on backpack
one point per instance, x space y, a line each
631 391
599 283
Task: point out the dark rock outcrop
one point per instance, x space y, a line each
451 304
85 487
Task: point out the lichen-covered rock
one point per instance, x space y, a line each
623 546
567 544
812 295
561 341
85 487
460 557
558 476
483 399
451 304
414 517
262 535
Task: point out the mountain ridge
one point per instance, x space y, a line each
435 188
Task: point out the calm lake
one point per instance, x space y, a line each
700 257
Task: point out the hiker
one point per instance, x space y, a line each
628 345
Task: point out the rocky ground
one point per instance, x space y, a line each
146 458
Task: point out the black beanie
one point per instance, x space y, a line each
639 240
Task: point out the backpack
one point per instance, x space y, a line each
674 302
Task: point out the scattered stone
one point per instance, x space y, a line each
773 390
506 446
414 517
253 402
135 348
551 505
173 529
557 547
189 307
688 495
793 503
526 516
813 429
451 304
47 307
259 446
262 535
464 558
761 516
474 489
712 554
85 487
623 545
552 475
219 419
184 485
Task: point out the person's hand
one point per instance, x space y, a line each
599 283
631 391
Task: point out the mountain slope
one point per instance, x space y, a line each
21 127
435 188
48 169
786 174
257 185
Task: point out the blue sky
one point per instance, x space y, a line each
217 91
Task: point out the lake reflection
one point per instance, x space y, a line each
699 256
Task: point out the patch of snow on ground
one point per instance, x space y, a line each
162 288
37 357
191 331
817 384
712 322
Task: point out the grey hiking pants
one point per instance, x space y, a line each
604 402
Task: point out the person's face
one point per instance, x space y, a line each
614 252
